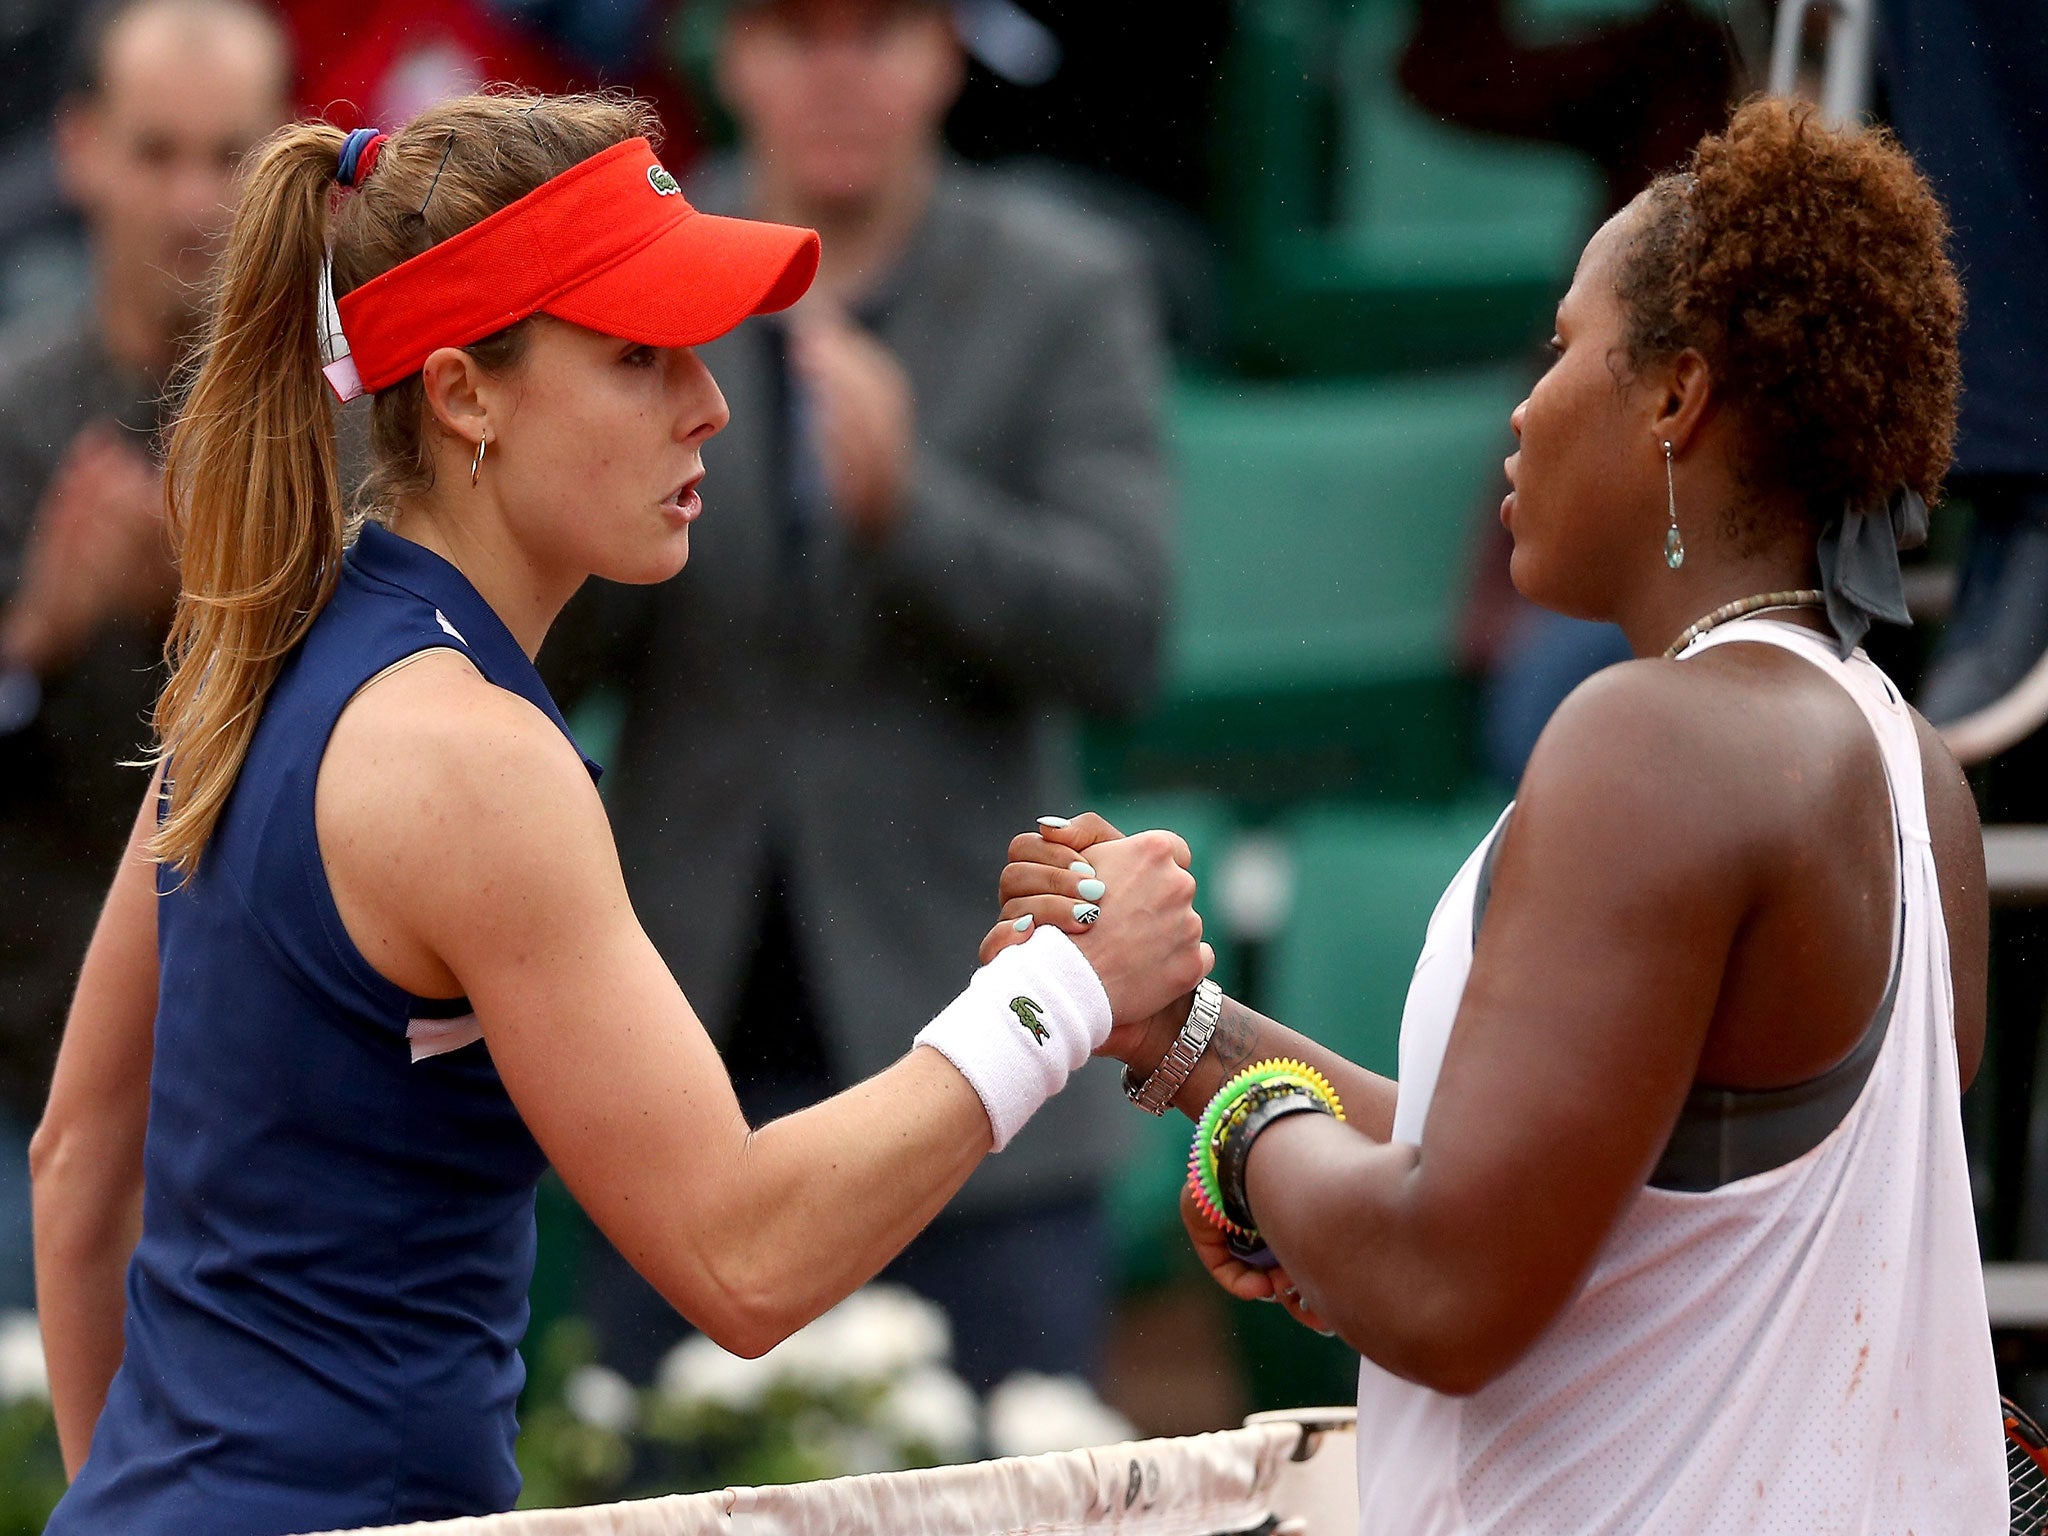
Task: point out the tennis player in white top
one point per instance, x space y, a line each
1666 1226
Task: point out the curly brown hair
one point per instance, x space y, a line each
1808 266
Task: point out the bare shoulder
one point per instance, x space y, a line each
440 763
1619 808
443 723
1646 731
1689 770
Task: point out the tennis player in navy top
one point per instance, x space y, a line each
369 965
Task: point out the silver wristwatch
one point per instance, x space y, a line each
1157 1091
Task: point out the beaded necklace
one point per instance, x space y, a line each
1742 607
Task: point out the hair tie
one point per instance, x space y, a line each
359 152
1859 564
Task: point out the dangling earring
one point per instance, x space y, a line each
477 463
1674 546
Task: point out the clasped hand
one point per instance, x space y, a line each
1127 901
1140 947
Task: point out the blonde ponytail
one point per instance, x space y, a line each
254 502
251 491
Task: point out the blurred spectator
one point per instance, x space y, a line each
148 144
42 256
1968 89
934 532
1132 97
381 62
1075 128
1634 94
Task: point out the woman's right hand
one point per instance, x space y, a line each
1129 905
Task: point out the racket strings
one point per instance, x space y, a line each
2029 1493
2027 1477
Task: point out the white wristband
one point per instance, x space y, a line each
1028 1020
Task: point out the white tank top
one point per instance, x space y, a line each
1804 1351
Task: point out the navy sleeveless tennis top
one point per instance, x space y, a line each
325 1308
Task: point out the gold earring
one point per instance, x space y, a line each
477 463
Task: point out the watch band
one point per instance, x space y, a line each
1157 1091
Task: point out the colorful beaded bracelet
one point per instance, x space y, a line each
1259 1083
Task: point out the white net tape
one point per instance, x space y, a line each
1240 1480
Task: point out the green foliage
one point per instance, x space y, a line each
863 1389
565 1459
31 1467
795 1433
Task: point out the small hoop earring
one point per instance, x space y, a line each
483 442
1674 546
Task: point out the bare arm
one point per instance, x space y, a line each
487 867
1577 996
1593 987
1965 891
86 1158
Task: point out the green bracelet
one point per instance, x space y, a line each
1262 1081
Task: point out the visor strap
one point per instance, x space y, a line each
335 361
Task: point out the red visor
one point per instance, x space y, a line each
609 244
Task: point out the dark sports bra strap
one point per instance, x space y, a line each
1725 1134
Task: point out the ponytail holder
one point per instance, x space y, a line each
359 152
1859 564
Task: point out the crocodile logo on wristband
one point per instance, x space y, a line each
1028 1014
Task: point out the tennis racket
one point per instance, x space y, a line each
2026 1467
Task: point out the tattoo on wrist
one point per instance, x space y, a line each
1237 1035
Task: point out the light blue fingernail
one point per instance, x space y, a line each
1054 821
1082 868
1092 890
1022 925
1086 912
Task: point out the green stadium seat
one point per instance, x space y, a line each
1324 529
1422 204
1539 16
1322 552
1365 883
1367 234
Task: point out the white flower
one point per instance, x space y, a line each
871 1338
602 1398
23 1371
931 1406
697 1370
1031 1414
877 1334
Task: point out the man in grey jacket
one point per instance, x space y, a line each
935 533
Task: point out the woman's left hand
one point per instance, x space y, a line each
1239 1278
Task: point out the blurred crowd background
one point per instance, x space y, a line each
1139 450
